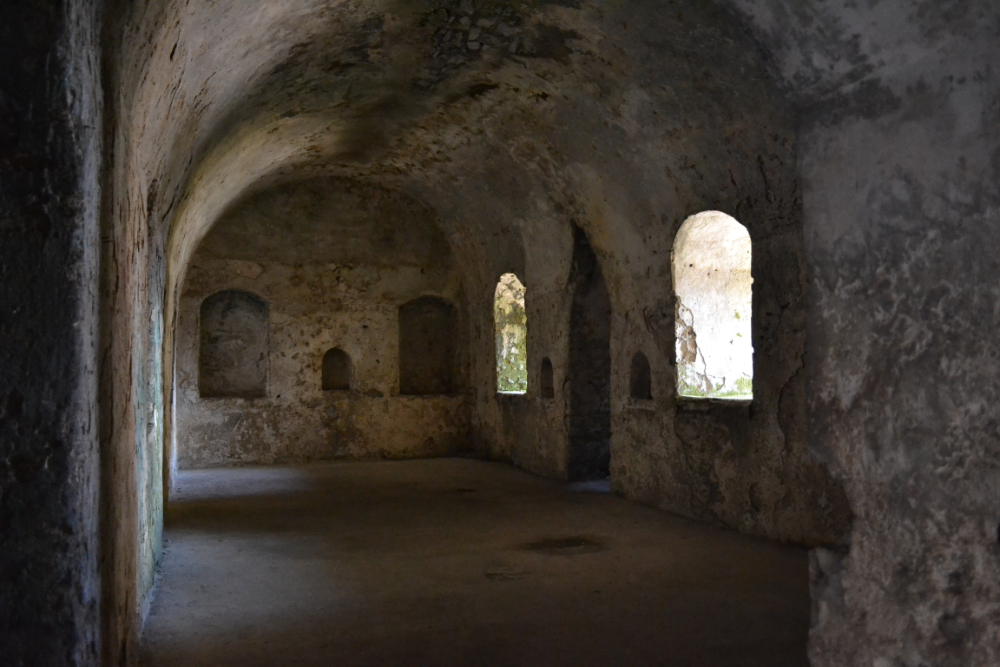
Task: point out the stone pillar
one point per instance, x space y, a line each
50 162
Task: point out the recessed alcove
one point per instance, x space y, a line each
337 370
640 378
364 341
426 347
234 345
546 380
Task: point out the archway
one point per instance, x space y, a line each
589 375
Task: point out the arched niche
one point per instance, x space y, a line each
546 380
641 379
338 370
427 354
233 345
510 320
712 281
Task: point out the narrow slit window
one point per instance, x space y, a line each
338 371
511 326
712 281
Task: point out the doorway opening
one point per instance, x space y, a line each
589 374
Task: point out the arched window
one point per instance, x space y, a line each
337 370
426 347
232 359
711 270
511 325
546 379
642 382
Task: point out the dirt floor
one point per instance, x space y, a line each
458 562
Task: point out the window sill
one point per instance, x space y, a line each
699 404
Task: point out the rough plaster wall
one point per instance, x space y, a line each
620 197
313 309
900 161
903 220
903 211
50 163
208 98
133 269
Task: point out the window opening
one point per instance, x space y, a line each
712 281
337 370
546 379
642 383
511 325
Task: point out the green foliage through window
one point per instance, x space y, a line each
511 327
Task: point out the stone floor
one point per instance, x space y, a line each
458 562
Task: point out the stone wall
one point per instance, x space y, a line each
904 361
50 186
313 309
899 140
716 141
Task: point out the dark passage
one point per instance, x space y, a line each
589 367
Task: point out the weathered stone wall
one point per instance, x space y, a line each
903 392
701 137
900 166
313 309
50 171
